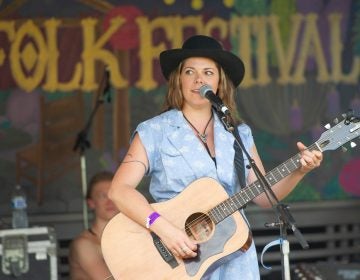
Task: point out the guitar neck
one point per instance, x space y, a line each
248 193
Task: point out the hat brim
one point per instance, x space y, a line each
231 64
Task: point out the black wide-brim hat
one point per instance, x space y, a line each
203 46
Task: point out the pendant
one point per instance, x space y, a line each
203 137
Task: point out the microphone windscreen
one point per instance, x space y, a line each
204 89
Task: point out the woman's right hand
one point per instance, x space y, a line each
174 239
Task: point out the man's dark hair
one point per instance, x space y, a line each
98 177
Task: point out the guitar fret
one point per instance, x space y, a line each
251 195
227 210
270 178
258 188
252 192
220 212
248 198
243 201
295 161
223 209
216 215
238 203
211 215
278 171
274 177
285 169
232 204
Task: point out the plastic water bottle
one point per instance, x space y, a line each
19 205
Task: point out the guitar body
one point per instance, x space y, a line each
129 249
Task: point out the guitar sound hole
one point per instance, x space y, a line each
199 227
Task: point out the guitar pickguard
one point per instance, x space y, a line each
223 232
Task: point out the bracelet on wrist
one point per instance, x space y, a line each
151 219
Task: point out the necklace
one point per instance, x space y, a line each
202 136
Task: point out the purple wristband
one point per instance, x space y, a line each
151 219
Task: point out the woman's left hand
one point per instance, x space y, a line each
309 159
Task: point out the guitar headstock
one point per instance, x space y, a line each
344 131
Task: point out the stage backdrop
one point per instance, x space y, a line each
302 61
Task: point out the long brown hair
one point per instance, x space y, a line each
175 100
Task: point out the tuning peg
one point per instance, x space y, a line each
336 121
352 144
344 149
327 126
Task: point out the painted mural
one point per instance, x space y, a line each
302 61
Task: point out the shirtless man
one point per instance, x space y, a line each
85 258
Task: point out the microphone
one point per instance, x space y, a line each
207 92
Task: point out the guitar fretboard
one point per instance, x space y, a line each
248 193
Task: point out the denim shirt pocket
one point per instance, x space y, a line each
178 172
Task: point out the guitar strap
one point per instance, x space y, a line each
239 160
240 168
238 157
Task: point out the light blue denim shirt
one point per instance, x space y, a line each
177 158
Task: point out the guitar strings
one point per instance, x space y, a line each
204 217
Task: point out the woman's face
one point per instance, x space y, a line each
198 71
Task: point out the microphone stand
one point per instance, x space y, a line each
82 143
286 221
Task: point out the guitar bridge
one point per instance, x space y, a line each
163 251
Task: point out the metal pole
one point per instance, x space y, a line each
285 251
84 190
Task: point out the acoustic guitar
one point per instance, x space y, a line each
208 216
